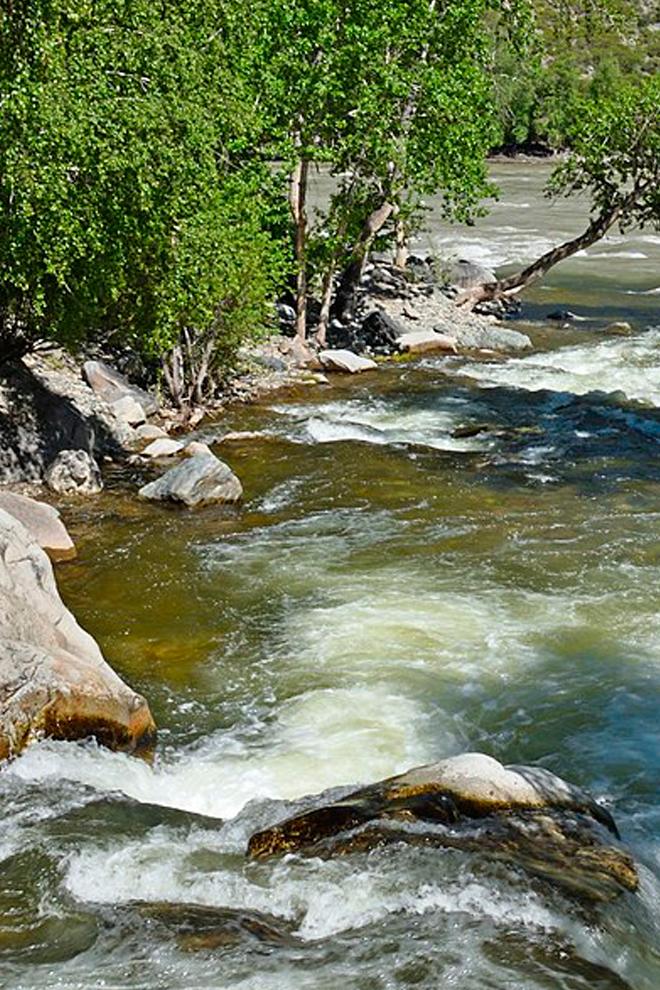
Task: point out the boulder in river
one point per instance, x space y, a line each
421 341
42 522
522 815
74 471
112 386
54 680
343 360
198 480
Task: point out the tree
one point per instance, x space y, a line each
615 159
125 166
393 97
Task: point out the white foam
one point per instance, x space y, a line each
629 365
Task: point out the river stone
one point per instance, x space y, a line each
163 447
128 410
487 337
199 480
343 360
74 471
110 385
149 431
195 447
420 341
468 274
54 680
42 522
522 815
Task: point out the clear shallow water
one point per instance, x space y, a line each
389 594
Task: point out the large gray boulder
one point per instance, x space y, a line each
74 472
42 522
112 386
45 407
490 338
198 480
54 680
468 274
523 815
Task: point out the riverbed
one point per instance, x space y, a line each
444 555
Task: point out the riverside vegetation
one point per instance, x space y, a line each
139 204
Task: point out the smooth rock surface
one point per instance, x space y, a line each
128 410
111 385
42 522
522 815
420 341
342 360
54 680
149 431
74 471
196 447
163 447
199 480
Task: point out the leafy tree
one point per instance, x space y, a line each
124 140
615 160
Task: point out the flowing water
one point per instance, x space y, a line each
394 589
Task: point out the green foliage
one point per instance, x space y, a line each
122 181
615 153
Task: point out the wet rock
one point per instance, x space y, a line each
468 274
199 480
346 361
199 926
54 680
74 471
620 327
42 522
522 815
420 341
112 386
163 447
238 436
560 315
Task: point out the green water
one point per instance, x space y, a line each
387 594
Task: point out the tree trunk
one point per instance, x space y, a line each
297 203
516 283
401 253
352 273
326 302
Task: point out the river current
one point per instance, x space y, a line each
442 556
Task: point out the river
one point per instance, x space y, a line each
390 593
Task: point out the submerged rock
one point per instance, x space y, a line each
200 926
342 360
199 480
523 815
42 522
54 680
74 471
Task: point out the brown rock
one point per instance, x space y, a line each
54 680
523 815
42 522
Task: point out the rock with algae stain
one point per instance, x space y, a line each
522 815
